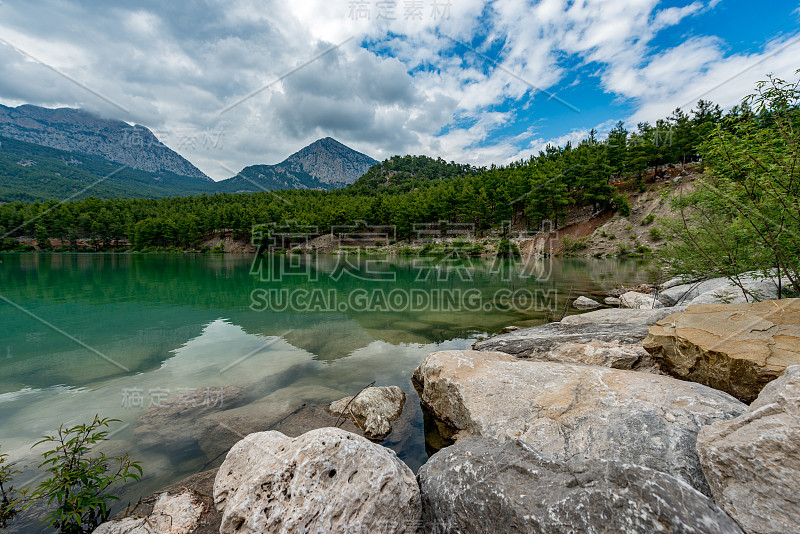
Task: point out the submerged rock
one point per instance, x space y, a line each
611 301
373 410
481 485
171 423
568 410
585 303
736 348
326 480
752 462
288 410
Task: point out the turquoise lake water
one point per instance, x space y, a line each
82 334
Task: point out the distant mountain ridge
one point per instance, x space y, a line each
324 164
69 153
75 130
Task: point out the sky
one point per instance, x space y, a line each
231 83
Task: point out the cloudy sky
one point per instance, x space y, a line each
230 83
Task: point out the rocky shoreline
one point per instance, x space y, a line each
616 420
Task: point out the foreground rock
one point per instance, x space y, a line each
373 410
585 303
566 410
171 514
482 485
538 340
639 301
736 348
171 423
752 463
326 480
622 316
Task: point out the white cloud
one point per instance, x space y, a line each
175 68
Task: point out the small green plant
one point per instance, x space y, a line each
9 497
628 228
655 233
219 248
643 250
78 483
623 249
648 220
612 236
603 234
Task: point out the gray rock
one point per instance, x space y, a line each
684 293
507 329
622 316
639 301
538 340
585 303
373 410
481 485
326 480
611 301
172 514
677 281
567 410
752 463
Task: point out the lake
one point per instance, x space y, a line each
114 334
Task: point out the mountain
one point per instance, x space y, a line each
30 172
78 131
324 164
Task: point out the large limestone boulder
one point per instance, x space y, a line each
736 348
372 410
752 463
172 514
639 301
585 303
622 316
481 485
566 410
326 480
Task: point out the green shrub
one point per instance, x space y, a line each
612 236
623 249
648 220
655 233
573 245
507 249
78 483
628 228
9 498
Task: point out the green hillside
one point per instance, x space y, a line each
30 172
